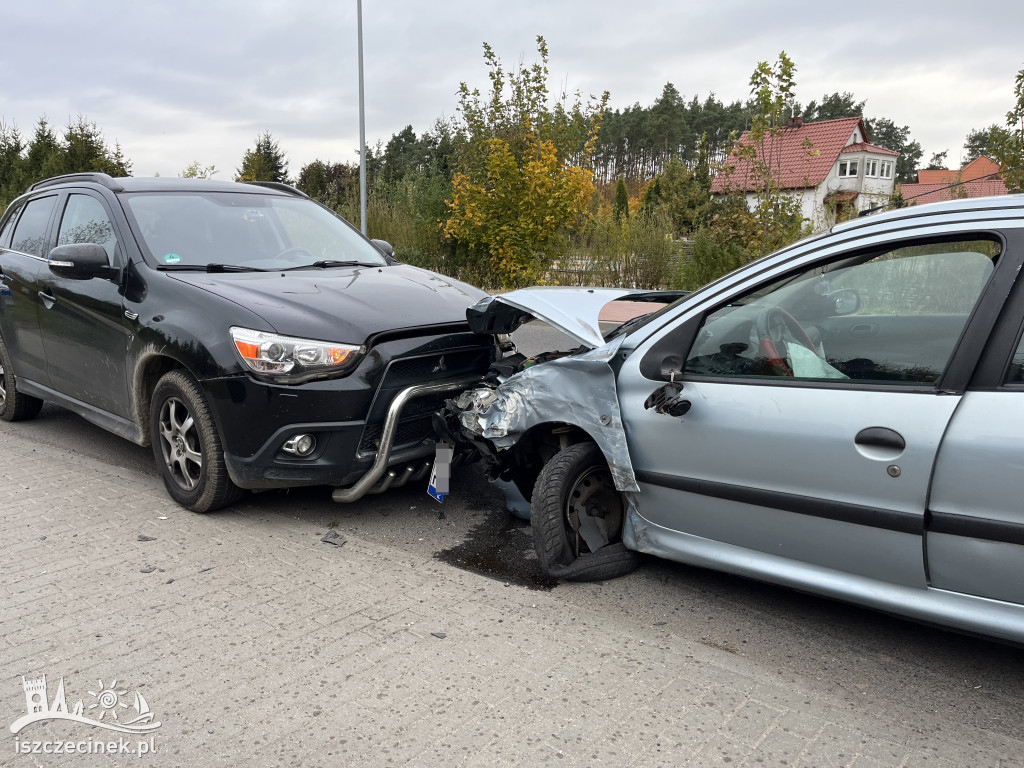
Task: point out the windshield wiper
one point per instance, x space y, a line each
326 263
212 268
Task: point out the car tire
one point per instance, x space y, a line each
562 480
14 405
187 446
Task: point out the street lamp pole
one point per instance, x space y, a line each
362 123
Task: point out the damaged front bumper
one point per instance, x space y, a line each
560 393
577 391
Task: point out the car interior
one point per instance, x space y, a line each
891 317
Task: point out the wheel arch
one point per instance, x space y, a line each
541 442
148 371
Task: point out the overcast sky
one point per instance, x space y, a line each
183 81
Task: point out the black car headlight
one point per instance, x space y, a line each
290 360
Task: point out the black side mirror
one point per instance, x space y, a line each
384 247
80 261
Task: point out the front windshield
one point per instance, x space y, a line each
244 230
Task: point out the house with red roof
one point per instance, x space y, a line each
979 178
829 166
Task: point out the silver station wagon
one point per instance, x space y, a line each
845 417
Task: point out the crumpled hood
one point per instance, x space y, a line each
575 311
345 304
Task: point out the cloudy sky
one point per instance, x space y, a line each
189 80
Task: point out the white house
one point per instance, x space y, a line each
829 166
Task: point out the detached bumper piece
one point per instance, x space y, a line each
379 478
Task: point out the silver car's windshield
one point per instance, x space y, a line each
242 231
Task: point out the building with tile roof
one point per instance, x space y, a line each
830 166
979 178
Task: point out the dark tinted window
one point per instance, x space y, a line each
85 221
1015 375
8 226
30 233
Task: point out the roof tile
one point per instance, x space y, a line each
806 154
863 146
934 193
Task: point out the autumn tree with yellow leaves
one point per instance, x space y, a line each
524 177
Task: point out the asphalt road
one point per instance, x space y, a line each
928 678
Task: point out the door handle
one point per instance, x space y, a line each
863 329
48 300
881 437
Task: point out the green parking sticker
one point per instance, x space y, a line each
172 258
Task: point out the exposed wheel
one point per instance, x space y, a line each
187 446
575 501
14 406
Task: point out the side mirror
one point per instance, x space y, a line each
845 301
80 261
384 247
671 367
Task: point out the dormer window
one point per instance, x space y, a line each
848 168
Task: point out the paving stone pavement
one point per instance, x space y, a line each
256 644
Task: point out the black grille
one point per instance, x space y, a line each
408 434
437 367
415 425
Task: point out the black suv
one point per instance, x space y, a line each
253 337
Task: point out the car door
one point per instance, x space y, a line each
24 266
803 441
975 524
82 322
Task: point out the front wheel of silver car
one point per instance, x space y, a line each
187 447
575 500
14 405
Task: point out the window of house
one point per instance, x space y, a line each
870 167
885 169
848 168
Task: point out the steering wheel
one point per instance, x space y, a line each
770 324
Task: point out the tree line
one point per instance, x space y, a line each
521 187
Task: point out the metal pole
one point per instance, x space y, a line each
362 124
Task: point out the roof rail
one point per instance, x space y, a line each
97 178
279 186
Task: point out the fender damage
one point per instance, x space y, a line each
568 391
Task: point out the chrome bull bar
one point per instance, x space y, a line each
366 484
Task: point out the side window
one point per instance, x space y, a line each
1015 375
86 221
891 317
30 231
9 226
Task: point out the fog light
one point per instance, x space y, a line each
299 445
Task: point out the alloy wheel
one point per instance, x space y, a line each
179 444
